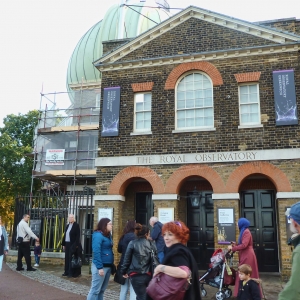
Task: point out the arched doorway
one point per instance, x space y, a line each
258 205
196 201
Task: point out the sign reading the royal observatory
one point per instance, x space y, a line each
198 158
55 157
111 111
285 97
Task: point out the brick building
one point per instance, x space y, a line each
198 121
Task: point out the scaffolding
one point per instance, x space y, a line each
66 140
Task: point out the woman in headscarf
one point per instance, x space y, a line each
245 249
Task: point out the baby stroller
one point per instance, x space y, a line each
219 275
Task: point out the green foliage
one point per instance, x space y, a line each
15 165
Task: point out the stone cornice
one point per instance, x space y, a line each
273 35
201 56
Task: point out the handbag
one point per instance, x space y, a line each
118 278
165 287
19 240
229 276
113 269
76 262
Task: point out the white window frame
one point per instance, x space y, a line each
141 131
199 128
249 124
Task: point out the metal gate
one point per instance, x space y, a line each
49 217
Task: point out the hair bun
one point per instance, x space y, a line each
138 227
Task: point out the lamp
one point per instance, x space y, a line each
195 198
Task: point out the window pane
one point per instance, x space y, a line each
148 124
245 109
139 106
253 98
244 98
189 113
190 122
147 115
139 125
139 98
208 102
147 106
180 104
181 123
190 103
189 78
199 94
180 95
206 84
199 113
139 116
208 121
209 112
252 89
244 89
147 98
197 77
189 86
181 86
199 103
190 95
181 114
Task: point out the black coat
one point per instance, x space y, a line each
123 244
74 236
179 255
250 291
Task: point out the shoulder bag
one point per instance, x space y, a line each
76 262
165 287
118 278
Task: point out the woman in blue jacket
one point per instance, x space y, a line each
3 243
103 258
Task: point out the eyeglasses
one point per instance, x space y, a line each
177 223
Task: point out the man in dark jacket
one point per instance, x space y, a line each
71 244
157 237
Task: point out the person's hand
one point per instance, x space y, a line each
39 255
64 248
158 269
37 239
125 276
229 247
101 272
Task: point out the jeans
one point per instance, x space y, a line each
160 256
99 283
1 261
37 259
124 290
140 283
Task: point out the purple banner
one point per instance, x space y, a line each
285 97
111 111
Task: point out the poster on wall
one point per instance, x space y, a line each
285 97
111 111
55 157
165 215
226 226
105 213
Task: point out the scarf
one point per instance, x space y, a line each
243 224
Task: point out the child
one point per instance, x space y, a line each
37 253
248 287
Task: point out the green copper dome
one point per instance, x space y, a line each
136 19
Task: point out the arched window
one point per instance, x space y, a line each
194 102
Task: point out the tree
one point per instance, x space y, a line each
16 139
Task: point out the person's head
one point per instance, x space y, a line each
294 217
105 226
129 227
243 223
37 243
245 272
26 217
71 218
141 231
152 221
175 232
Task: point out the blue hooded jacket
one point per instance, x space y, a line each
102 250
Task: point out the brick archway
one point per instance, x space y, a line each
127 175
278 178
204 66
173 183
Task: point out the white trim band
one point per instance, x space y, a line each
287 195
109 198
164 197
226 196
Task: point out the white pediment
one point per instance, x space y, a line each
273 35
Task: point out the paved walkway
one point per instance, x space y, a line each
47 283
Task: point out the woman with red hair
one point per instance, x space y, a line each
177 255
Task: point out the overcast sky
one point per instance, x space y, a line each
38 37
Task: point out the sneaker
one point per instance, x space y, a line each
22 269
32 269
36 265
65 274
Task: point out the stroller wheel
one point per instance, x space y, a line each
228 293
220 295
203 292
